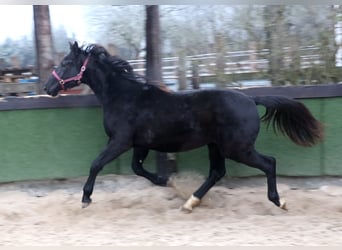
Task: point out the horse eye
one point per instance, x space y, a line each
66 62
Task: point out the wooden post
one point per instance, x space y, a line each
195 75
153 50
220 49
154 73
252 56
44 45
182 81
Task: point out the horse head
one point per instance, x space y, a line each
69 72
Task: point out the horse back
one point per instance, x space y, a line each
182 121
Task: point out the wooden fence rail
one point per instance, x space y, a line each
240 63
237 62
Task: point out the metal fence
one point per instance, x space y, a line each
236 62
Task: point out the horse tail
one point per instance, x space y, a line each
291 118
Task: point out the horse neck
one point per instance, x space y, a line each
95 85
110 87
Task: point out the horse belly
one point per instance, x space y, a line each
179 145
171 142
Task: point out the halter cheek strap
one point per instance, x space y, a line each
76 78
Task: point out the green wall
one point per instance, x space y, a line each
62 143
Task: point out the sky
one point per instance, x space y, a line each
20 20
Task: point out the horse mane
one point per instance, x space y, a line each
121 66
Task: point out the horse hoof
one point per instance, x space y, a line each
85 204
283 205
186 209
190 204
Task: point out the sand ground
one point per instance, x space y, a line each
129 211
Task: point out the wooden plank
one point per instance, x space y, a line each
6 88
47 102
16 71
67 101
332 146
303 92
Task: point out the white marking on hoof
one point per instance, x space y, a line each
190 204
85 204
283 205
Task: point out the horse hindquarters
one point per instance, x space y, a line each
234 125
237 144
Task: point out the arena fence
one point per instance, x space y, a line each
45 138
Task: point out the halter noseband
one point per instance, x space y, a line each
76 78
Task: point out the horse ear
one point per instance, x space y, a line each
74 48
102 58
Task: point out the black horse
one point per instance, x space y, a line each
146 116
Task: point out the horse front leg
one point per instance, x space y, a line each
113 149
139 155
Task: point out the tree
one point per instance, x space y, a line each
275 31
60 40
130 36
27 51
188 30
153 48
43 41
154 72
121 26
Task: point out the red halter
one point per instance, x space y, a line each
76 78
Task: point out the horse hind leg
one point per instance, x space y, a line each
267 164
139 155
216 172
